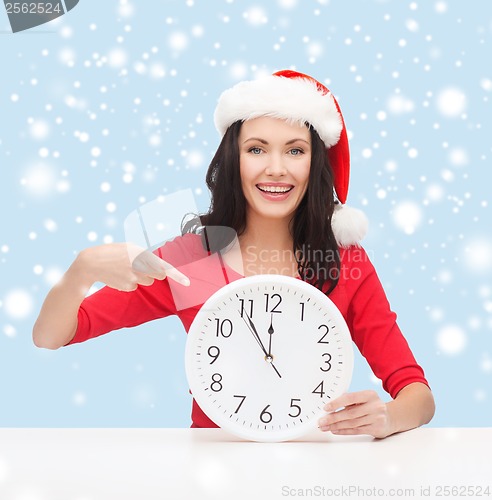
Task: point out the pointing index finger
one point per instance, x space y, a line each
149 264
174 274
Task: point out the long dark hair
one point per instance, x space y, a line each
314 243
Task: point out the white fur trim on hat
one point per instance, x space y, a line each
297 100
349 225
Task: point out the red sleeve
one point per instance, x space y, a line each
110 309
374 328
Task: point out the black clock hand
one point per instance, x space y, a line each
253 330
270 332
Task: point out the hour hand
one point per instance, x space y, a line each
270 333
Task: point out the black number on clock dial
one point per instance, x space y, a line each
322 339
302 310
223 327
241 403
297 408
327 362
265 416
216 385
319 389
272 301
250 303
213 352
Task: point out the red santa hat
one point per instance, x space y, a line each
299 98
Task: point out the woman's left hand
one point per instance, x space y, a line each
357 413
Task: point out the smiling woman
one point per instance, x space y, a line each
275 159
279 179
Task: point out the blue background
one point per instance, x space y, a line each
111 105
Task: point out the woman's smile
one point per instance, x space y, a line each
275 191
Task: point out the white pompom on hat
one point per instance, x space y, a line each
299 98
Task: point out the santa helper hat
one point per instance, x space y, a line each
299 98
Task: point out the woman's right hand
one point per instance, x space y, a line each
118 265
123 266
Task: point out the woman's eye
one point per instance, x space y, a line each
255 151
296 152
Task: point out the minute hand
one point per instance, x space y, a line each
253 330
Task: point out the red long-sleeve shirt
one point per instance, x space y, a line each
359 296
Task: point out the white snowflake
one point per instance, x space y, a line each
126 9
178 41
117 57
451 102
18 304
458 157
478 255
398 104
451 340
407 215
256 16
40 180
39 129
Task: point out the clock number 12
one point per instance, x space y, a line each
271 298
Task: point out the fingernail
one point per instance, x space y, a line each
176 275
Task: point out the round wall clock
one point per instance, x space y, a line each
265 354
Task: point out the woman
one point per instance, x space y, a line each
282 158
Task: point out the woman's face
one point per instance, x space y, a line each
274 159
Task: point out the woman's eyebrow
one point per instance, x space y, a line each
266 142
255 139
295 140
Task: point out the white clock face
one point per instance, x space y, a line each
265 354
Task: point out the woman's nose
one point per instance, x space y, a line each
275 166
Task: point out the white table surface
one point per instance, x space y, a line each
151 464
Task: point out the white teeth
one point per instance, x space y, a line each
274 189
